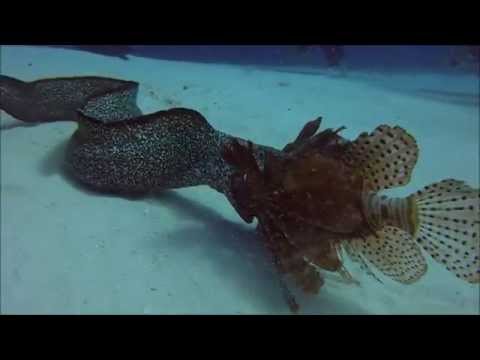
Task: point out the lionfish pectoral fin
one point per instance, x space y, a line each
385 158
324 254
393 252
358 258
347 277
333 261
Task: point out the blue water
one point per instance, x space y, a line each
394 57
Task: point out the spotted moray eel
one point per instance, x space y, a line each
116 148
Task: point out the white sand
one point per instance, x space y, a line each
64 250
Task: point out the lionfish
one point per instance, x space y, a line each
320 199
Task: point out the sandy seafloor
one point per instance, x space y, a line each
68 251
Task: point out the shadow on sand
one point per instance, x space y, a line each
233 249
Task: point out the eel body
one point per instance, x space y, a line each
59 99
116 148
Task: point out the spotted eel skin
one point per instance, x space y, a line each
59 99
116 148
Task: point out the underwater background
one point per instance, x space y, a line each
65 250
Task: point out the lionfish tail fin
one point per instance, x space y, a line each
447 226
